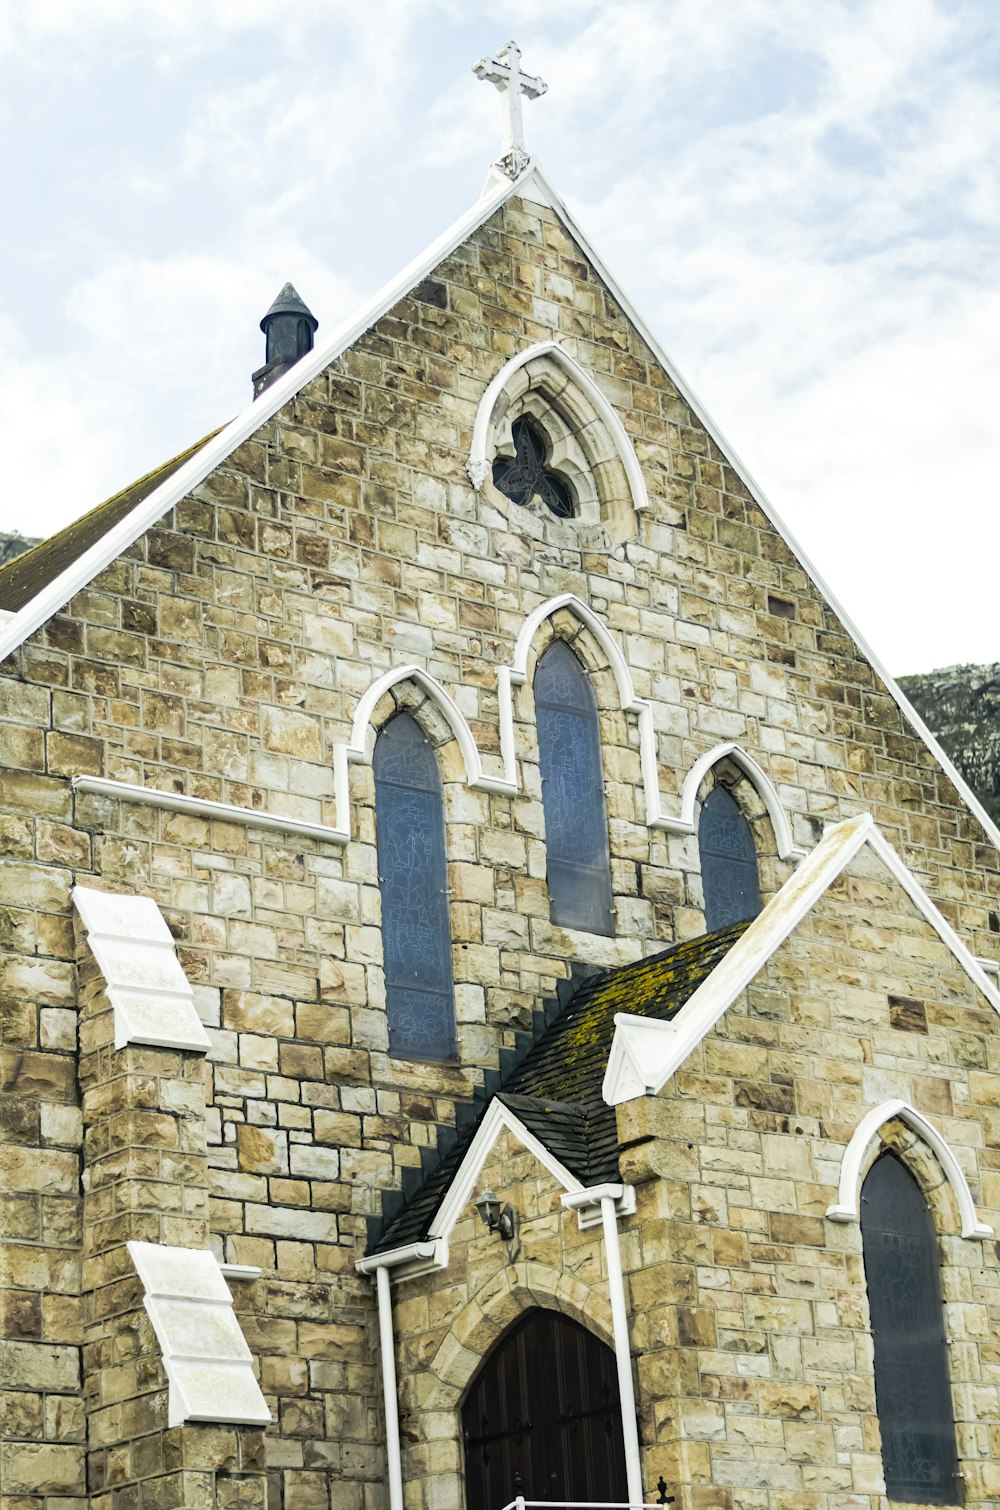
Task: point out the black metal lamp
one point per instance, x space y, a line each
496 1218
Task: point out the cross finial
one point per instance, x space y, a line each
505 72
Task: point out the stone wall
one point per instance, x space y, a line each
224 654
750 1314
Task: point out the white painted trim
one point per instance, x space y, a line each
532 185
687 822
240 1272
847 1207
478 465
432 1252
163 498
645 1052
498 1118
357 749
203 807
631 314
623 1349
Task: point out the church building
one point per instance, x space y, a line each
498 989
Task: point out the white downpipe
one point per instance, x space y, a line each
394 1466
623 1354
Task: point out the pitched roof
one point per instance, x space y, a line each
555 1090
532 186
24 577
645 1054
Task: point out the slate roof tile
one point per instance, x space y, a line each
555 1090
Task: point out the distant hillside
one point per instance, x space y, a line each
12 545
961 705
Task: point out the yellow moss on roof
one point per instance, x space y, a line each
24 577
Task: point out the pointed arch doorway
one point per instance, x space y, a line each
542 1418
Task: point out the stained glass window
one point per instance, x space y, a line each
521 476
912 1388
413 876
576 821
729 880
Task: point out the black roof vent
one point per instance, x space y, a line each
289 327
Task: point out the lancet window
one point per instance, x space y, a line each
729 879
413 879
912 1387
576 821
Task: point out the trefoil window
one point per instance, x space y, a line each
413 878
576 822
524 475
912 1387
729 880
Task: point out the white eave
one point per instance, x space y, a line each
645 1051
533 186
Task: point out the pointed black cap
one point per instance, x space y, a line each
289 326
288 302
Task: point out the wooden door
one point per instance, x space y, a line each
543 1418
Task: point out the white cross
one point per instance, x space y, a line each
505 72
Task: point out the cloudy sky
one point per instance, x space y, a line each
800 195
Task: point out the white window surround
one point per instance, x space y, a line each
588 440
208 1365
359 748
847 1207
645 1052
150 995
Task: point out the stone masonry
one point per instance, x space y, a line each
223 656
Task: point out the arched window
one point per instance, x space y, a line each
576 822
413 877
729 880
912 1389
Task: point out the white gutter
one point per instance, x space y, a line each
609 1196
429 1253
380 1264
